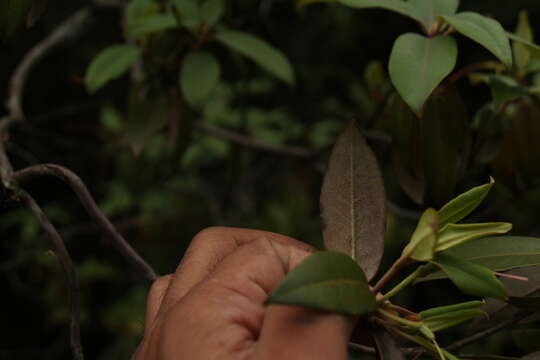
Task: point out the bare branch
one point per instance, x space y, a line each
249 142
93 210
62 254
68 29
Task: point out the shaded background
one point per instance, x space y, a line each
161 186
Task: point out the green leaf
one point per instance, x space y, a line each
189 13
199 76
109 64
462 205
430 10
418 64
386 346
451 319
533 48
498 253
13 14
486 31
353 202
455 234
470 278
397 6
522 55
423 240
258 50
212 11
151 23
447 309
138 9
504 89
327 281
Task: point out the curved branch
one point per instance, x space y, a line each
91 207
252 143
69 28
62 254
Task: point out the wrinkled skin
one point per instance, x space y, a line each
212 306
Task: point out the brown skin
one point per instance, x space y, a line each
212 306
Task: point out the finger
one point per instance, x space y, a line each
154 300
207 250
291 332
227 307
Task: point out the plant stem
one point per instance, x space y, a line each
409 279
400 320
396 266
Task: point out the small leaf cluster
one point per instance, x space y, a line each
420 62
196 23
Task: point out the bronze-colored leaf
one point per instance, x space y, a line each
353 202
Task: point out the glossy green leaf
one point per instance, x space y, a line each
397 6
212 11
199 76
448 320
500 253
13 15
109 64
138 9
386 346
430 10
151 24
353 202
329 281
462 205
258 50
418 64
470 278
188 12
447 309
497 253
486 31
527 303
534 49
424 239
522 56
455 234
504 89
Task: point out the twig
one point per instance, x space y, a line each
249 142
490 331
65 260
69 28
91 207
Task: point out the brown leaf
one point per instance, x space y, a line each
353 202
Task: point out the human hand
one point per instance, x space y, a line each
212 306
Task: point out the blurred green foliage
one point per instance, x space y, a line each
144 149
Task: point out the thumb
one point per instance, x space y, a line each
291 332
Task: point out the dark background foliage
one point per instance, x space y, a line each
181 179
